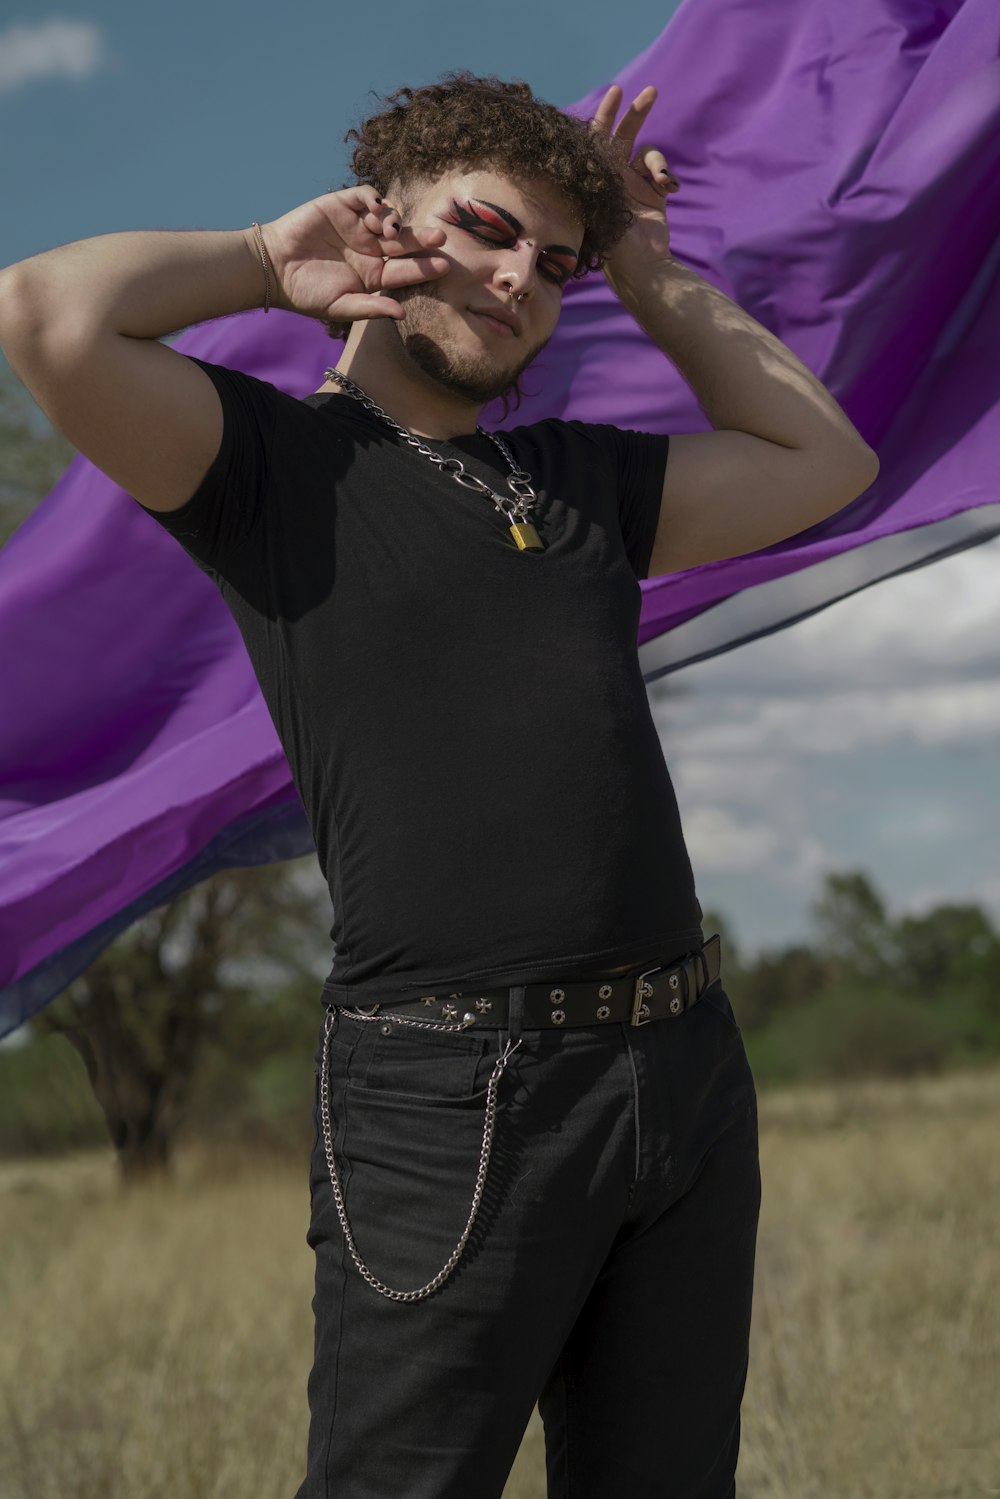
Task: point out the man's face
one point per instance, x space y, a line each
465 330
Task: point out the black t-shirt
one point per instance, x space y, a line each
466 724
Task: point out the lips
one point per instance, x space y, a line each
498 319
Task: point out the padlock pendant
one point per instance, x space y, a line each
527 538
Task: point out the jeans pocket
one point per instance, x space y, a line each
422 1065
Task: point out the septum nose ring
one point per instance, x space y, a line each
518 298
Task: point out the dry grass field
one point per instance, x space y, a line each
157 1347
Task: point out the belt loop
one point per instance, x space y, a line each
515 1014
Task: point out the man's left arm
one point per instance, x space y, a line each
783 454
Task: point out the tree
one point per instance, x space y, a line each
952 949
778 982
224 963
854 933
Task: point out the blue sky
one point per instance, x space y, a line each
866 736
206 116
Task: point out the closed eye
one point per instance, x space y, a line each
560 267
552 272
547 267
490 229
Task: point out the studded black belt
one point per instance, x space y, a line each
659 993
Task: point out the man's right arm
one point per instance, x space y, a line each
80 324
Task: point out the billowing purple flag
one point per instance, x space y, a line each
840 179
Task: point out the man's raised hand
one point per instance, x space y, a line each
647 177
336 256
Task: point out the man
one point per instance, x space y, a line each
535 1172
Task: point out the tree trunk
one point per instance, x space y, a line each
146 1158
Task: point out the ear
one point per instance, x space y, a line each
406 195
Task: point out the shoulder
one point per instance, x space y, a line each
242 389
561 429
556 428
556 434
227 379
619 447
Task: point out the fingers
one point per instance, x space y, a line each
392 274
651 163
633 119
361 307
371 226
406 241
604 115
396 273
365 205
654 163
407 271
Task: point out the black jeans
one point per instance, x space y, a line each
608 1275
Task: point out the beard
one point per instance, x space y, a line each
473 377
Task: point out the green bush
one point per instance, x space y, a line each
47 1105
866 1031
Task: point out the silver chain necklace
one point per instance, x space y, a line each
515 510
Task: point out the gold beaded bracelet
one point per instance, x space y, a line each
265 261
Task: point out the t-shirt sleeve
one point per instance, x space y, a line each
226 509
638 462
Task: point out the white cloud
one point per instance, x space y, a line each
943 615
705 777
719 841
909 825
934 623
56 48
989 892
867 736
777 847
829 723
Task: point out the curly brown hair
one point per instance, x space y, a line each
464 122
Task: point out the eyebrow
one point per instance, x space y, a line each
518 229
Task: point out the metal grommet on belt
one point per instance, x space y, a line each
661 992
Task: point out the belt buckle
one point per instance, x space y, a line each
643 991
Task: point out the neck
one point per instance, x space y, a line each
375 360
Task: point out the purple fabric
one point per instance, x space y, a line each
840 179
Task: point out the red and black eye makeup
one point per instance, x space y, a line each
493 225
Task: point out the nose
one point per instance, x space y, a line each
517 273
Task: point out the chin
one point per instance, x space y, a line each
472 376
436 350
